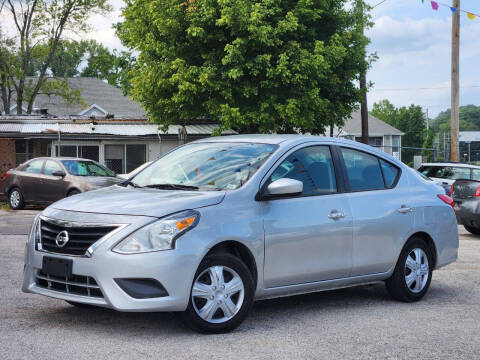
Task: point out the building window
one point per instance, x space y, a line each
125 157
396 146
90 152
22 151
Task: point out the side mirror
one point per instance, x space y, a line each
283 187
59 173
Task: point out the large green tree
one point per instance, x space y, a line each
410 120
251 65
39 26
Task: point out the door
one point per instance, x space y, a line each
54 187
32 180
382 216
307 237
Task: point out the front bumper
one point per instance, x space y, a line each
173 269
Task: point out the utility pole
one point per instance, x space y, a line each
454 149
363 86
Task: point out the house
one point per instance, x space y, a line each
381 134
114 130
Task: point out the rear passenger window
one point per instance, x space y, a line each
34 166
312 166
363 170
390 173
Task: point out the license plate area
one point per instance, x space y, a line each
57 267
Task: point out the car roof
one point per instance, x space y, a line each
60 158
452 164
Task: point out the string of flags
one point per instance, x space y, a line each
436 4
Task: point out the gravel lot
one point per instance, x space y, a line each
356 323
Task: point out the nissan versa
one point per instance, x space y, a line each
218 223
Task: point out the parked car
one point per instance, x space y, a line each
46 180
446 173
466 196
220 222
135 171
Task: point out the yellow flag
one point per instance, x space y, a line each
470 16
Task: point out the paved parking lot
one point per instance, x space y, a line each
356 323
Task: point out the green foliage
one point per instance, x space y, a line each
469 120
410 121
253 66
112 66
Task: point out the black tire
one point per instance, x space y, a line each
397 284
195 322
73 192
81 305
16 205
472 230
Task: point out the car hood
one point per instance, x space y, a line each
102 181
119 200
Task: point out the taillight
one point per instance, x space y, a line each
477 193
450 192
6 176
447 200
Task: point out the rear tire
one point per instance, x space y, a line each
472 230
221 295
15 199
413 273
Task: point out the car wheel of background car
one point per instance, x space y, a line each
15 199
73 192
81 305
472 230
221 295
412 275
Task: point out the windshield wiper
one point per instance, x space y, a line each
172 187
130 182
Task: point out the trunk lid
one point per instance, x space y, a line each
464 189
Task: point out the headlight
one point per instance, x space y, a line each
160 235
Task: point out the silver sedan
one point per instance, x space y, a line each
218 223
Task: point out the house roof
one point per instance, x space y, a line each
376 127
97 94
469 136
103 128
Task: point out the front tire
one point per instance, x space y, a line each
221 295
15 199
73 192
413 273
472 230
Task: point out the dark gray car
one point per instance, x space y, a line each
46 180
466 196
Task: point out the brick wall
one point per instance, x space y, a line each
7 156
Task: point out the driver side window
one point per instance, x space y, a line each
313 166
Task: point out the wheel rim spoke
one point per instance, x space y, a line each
410 263
202 290
234 286
208 310
410 279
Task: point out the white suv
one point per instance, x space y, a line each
446 173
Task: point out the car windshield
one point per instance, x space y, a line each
86 168
214 166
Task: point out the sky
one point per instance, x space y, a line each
413 45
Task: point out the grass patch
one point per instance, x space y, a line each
4 206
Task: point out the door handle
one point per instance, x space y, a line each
335 215
405 210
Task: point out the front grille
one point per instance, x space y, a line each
80 238
74 284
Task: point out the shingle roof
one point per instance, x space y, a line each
93 91
376 127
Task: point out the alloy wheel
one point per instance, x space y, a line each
417 270
15 198
218 294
